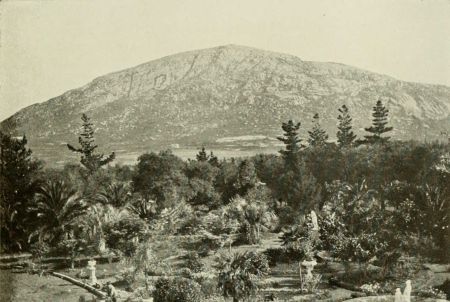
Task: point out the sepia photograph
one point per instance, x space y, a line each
224 150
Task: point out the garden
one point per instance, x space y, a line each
356 220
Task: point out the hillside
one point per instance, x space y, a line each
228 97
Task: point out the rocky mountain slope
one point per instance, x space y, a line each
227 97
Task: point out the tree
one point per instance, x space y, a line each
160 177
240 272
90 159
201 155
18 183
213 160
292 142
115 194
247 178
345 135
317 136
55 209
201 175
253 214
379 122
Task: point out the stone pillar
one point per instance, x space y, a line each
91 269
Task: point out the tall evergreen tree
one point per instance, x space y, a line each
18 183
345 135
292 142
379 122
247 177
90 159
317 136
201 155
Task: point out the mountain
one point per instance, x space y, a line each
228 98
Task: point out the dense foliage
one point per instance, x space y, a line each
239 273
375 201
177 290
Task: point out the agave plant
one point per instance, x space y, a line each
56 207
142 207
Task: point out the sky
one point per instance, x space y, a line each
50 46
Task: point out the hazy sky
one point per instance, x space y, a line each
48 47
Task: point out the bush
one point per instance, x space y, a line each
208 283
177 289
193 262
239 273
125 234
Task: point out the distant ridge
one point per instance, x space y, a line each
205 96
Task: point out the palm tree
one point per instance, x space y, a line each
115 194
253 216
56 207
239 273
100 215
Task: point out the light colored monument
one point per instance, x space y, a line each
406 296
91 268
309 265
314 221
407 292
398 295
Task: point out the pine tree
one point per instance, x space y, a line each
91 160
18 184
202 156
292 142
317 136
213 160
379 122
345 135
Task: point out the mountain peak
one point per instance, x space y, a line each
213 95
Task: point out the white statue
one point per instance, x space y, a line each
309 265
406 296
91 269
407 292
314 221
398 295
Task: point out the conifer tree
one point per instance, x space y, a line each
202 156
213 160
90 159
292 142
18 183
379 122
317 136
345 135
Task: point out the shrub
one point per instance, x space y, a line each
125 234
239 273
193 262
177 289
208 283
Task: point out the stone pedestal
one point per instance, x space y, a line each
91 269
